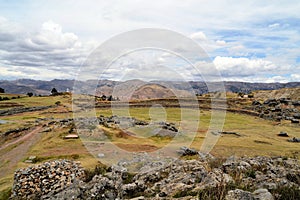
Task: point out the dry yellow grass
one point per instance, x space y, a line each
259 137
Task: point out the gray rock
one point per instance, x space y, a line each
101 155
239 195
45 179
157 179
294 140
185 151
138 198
262 194
294 121
283 134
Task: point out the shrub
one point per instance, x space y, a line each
250 173
286 193
54 91
89 174
216 193
216 162
5 194
129 178
30 94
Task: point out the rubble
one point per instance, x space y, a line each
161 180
47 178
278 109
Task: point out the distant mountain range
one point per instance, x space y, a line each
136 88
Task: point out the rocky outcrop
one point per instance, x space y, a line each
163 180
185 151
15 131
277 109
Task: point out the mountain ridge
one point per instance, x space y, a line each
107 87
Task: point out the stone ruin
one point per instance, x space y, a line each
278 109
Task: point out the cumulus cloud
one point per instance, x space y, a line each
230 66
198 36
239 29
51 37
221 42
295 77
49 50
254 70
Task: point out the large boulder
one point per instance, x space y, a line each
262 194
259 194
238 194
185 151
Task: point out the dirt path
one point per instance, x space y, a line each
20 139
10 158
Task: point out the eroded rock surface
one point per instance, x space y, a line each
185 179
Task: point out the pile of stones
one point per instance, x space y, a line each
185 151
125 122
45 179
278 109
168 126
177 178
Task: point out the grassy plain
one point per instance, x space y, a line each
258 136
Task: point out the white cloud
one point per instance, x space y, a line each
221 42
51 35
295 77
238 50
259 79
274 25
49 50
238 29
17 72
198 36
229 66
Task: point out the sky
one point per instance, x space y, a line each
252 41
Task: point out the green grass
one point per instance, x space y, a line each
5 193
251 128
35 101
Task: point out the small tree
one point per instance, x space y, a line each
103 97
54 91
2 90
110 98
250 95
30 94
